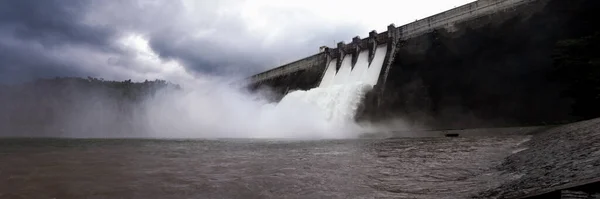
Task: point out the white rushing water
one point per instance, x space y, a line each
362 72
360 68
329 74
343 74
330 111
340 93
325 112
372 75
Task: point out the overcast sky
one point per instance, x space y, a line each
183 39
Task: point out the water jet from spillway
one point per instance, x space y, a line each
341 91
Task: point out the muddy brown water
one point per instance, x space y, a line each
364 168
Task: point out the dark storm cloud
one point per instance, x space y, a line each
46 38
29 29
213 56
20 63
51 22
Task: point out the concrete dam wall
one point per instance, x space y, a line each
487 63
443 20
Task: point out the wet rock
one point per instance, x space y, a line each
555 158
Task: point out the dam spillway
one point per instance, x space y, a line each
364 70
485 63
342 89
445 20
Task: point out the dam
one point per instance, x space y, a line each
483 64
487 64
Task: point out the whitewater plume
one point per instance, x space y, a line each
340 93
325 112
207 107
225 112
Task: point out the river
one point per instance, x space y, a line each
359 168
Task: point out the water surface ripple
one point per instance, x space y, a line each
367 168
